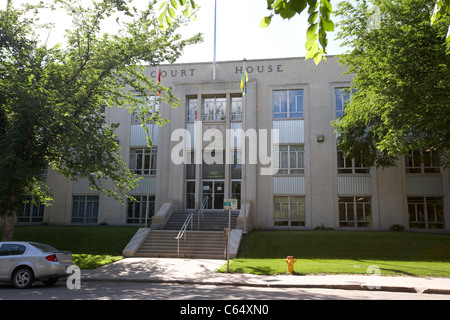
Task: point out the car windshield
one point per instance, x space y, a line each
43 247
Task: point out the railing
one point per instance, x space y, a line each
200 212
182 232
186 224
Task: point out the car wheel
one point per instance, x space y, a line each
23 278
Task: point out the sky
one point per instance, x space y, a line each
238 32
240 36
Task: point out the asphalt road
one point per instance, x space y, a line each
102 290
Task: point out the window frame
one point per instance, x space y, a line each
411 167
88 203
192 111
236 108
288 170
424 221
211 103
341 98
136 210
31 213
350 217
285 95
140 157
351 165
150 101
287 220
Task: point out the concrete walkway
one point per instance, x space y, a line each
203 271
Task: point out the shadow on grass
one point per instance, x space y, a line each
92 261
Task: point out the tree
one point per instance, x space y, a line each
52 100
402 81
319 20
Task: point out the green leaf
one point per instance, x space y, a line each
312 17
328 25
265 21
161 17
311 32
162 5
171 12
298 5
174 3
312 51
317 58
326 4
312 6
309 43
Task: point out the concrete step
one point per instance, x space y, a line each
196 244
207 221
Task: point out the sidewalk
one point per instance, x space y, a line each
203 271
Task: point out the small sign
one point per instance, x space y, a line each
229 204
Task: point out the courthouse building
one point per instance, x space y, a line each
314 184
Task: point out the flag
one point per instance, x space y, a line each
159 79
244 81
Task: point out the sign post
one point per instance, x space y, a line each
229 204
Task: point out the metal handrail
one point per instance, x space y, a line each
200 212
182 232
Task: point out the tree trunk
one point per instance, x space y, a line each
8 226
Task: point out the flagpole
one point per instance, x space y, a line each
244 171
215 23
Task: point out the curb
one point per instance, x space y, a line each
359 287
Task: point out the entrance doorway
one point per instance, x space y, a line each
215 191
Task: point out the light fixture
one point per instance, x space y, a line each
320 138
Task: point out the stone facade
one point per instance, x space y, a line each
315 185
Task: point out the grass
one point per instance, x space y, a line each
264 252
91 246
342 252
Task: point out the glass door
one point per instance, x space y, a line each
215 191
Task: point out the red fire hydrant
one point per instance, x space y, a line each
290 263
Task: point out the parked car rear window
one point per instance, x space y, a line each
11 249
43 247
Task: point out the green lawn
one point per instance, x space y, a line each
91 246
335 252
264 252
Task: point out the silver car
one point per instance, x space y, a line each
24 262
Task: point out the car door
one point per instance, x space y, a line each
10 255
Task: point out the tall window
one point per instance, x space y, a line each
289 211
192 109
426 212
31 212
236 176
422 161
355 212
214 108
292 159
85 209
236 108
288 104
143 161
350 165
190 181
342 96
137 210
150 105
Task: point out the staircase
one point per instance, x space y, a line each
208 221
208 242
196 244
